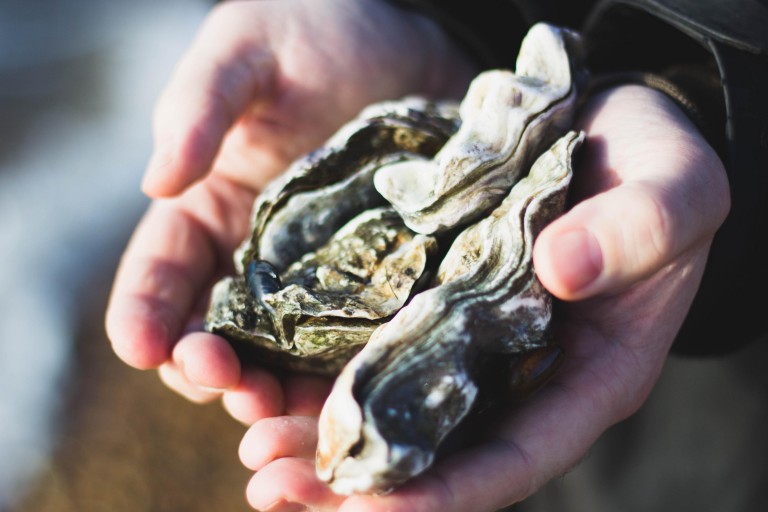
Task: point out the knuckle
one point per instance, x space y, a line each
661 226
163 281
657 235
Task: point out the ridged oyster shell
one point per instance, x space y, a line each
331 300
346 261
416 378
318 194
435 276
508 119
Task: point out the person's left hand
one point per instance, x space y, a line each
627 260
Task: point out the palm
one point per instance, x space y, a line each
251 95
616 335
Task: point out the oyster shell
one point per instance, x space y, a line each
338 281
508 119
327 304
417 377
300 210
434 274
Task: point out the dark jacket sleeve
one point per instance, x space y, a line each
717 52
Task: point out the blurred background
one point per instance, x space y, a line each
79 431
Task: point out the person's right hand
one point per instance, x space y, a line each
263 82
626 260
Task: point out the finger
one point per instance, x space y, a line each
306 394
259 395
168 264
290 484
207 361
174 378
608 241
615 239
273 438
163 271
223 71
663 192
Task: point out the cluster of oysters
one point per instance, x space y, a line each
398 256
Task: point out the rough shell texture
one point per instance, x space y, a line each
346 261
508 119
318 194
437 278
331 300
416 379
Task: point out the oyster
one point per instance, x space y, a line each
325 306
508 119
407 240
300 210
417 377
343 261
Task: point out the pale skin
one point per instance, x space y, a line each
266 81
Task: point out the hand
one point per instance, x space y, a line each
263 83
627 260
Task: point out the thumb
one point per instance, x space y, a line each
654 188
215 81
619 237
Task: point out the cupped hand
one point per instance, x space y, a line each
266 81
626 260
262 83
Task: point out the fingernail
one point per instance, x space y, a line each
160 159
282 506
578 258
179 362
211 389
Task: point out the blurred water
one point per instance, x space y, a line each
77 82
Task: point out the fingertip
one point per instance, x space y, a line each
568 262
208 361
253 451
140 336
173 377
157 182
155 175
